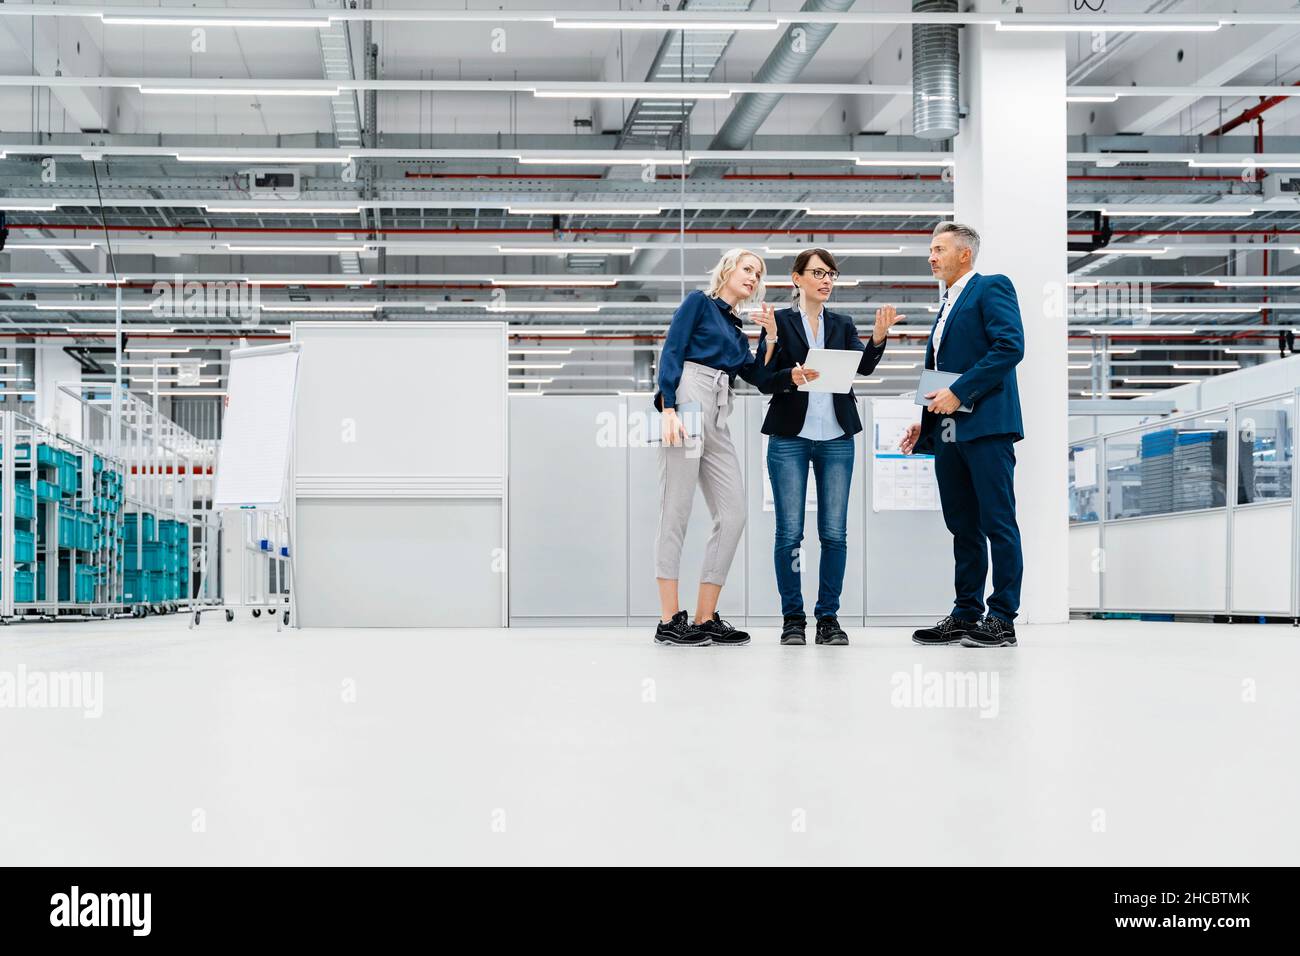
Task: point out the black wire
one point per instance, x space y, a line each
112 263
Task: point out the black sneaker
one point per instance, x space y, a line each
829 631
722 634
948 631
991 632
679 632
792 629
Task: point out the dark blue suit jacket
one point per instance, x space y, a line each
983 340
789 406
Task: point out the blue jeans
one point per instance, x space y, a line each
832 464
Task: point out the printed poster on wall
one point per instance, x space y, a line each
899 482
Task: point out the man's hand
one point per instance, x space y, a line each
886 318
943 401
672 430
909 440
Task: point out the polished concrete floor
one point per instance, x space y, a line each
1092 743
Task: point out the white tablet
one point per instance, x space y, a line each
838 368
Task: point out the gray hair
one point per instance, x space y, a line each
966 236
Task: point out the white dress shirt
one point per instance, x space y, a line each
954 293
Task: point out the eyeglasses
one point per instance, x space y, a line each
820 274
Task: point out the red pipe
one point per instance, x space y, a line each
410 175
1265 104
802 177
171 470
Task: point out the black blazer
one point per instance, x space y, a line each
786 411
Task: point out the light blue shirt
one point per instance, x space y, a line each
820 424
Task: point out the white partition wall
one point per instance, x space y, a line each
1262 565
569 526
1085 560
1194 514
400 474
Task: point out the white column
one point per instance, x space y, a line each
1010 185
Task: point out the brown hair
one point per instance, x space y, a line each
801 263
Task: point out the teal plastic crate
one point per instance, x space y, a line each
87 539
70 472
85 586
24 502
24 587
67 527
154 557
24 547
144 521
48 490
47 455
143 587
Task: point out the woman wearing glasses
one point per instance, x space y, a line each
814 428
704 351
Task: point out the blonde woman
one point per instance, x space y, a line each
705 349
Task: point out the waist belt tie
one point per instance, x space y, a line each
722 389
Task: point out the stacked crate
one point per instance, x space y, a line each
106 501
58 483
24 533
1200 467
144 560
1156 472
175 538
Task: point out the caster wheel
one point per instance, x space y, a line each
196 617
286 617
230 616
257 612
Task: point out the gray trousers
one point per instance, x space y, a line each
709 461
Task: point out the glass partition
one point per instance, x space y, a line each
1266 431
1085 484
1168 467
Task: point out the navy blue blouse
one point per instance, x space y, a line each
707 330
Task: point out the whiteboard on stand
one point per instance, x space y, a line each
257 428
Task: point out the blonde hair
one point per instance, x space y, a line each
727 265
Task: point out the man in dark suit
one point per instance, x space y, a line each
979 336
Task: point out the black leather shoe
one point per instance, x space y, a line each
948 631
680 633
990 632
829 631
792 629
721 633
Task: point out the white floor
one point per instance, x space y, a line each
1105 743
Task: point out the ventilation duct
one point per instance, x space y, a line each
793 52
934 73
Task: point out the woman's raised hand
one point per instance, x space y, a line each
886 318
765 316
